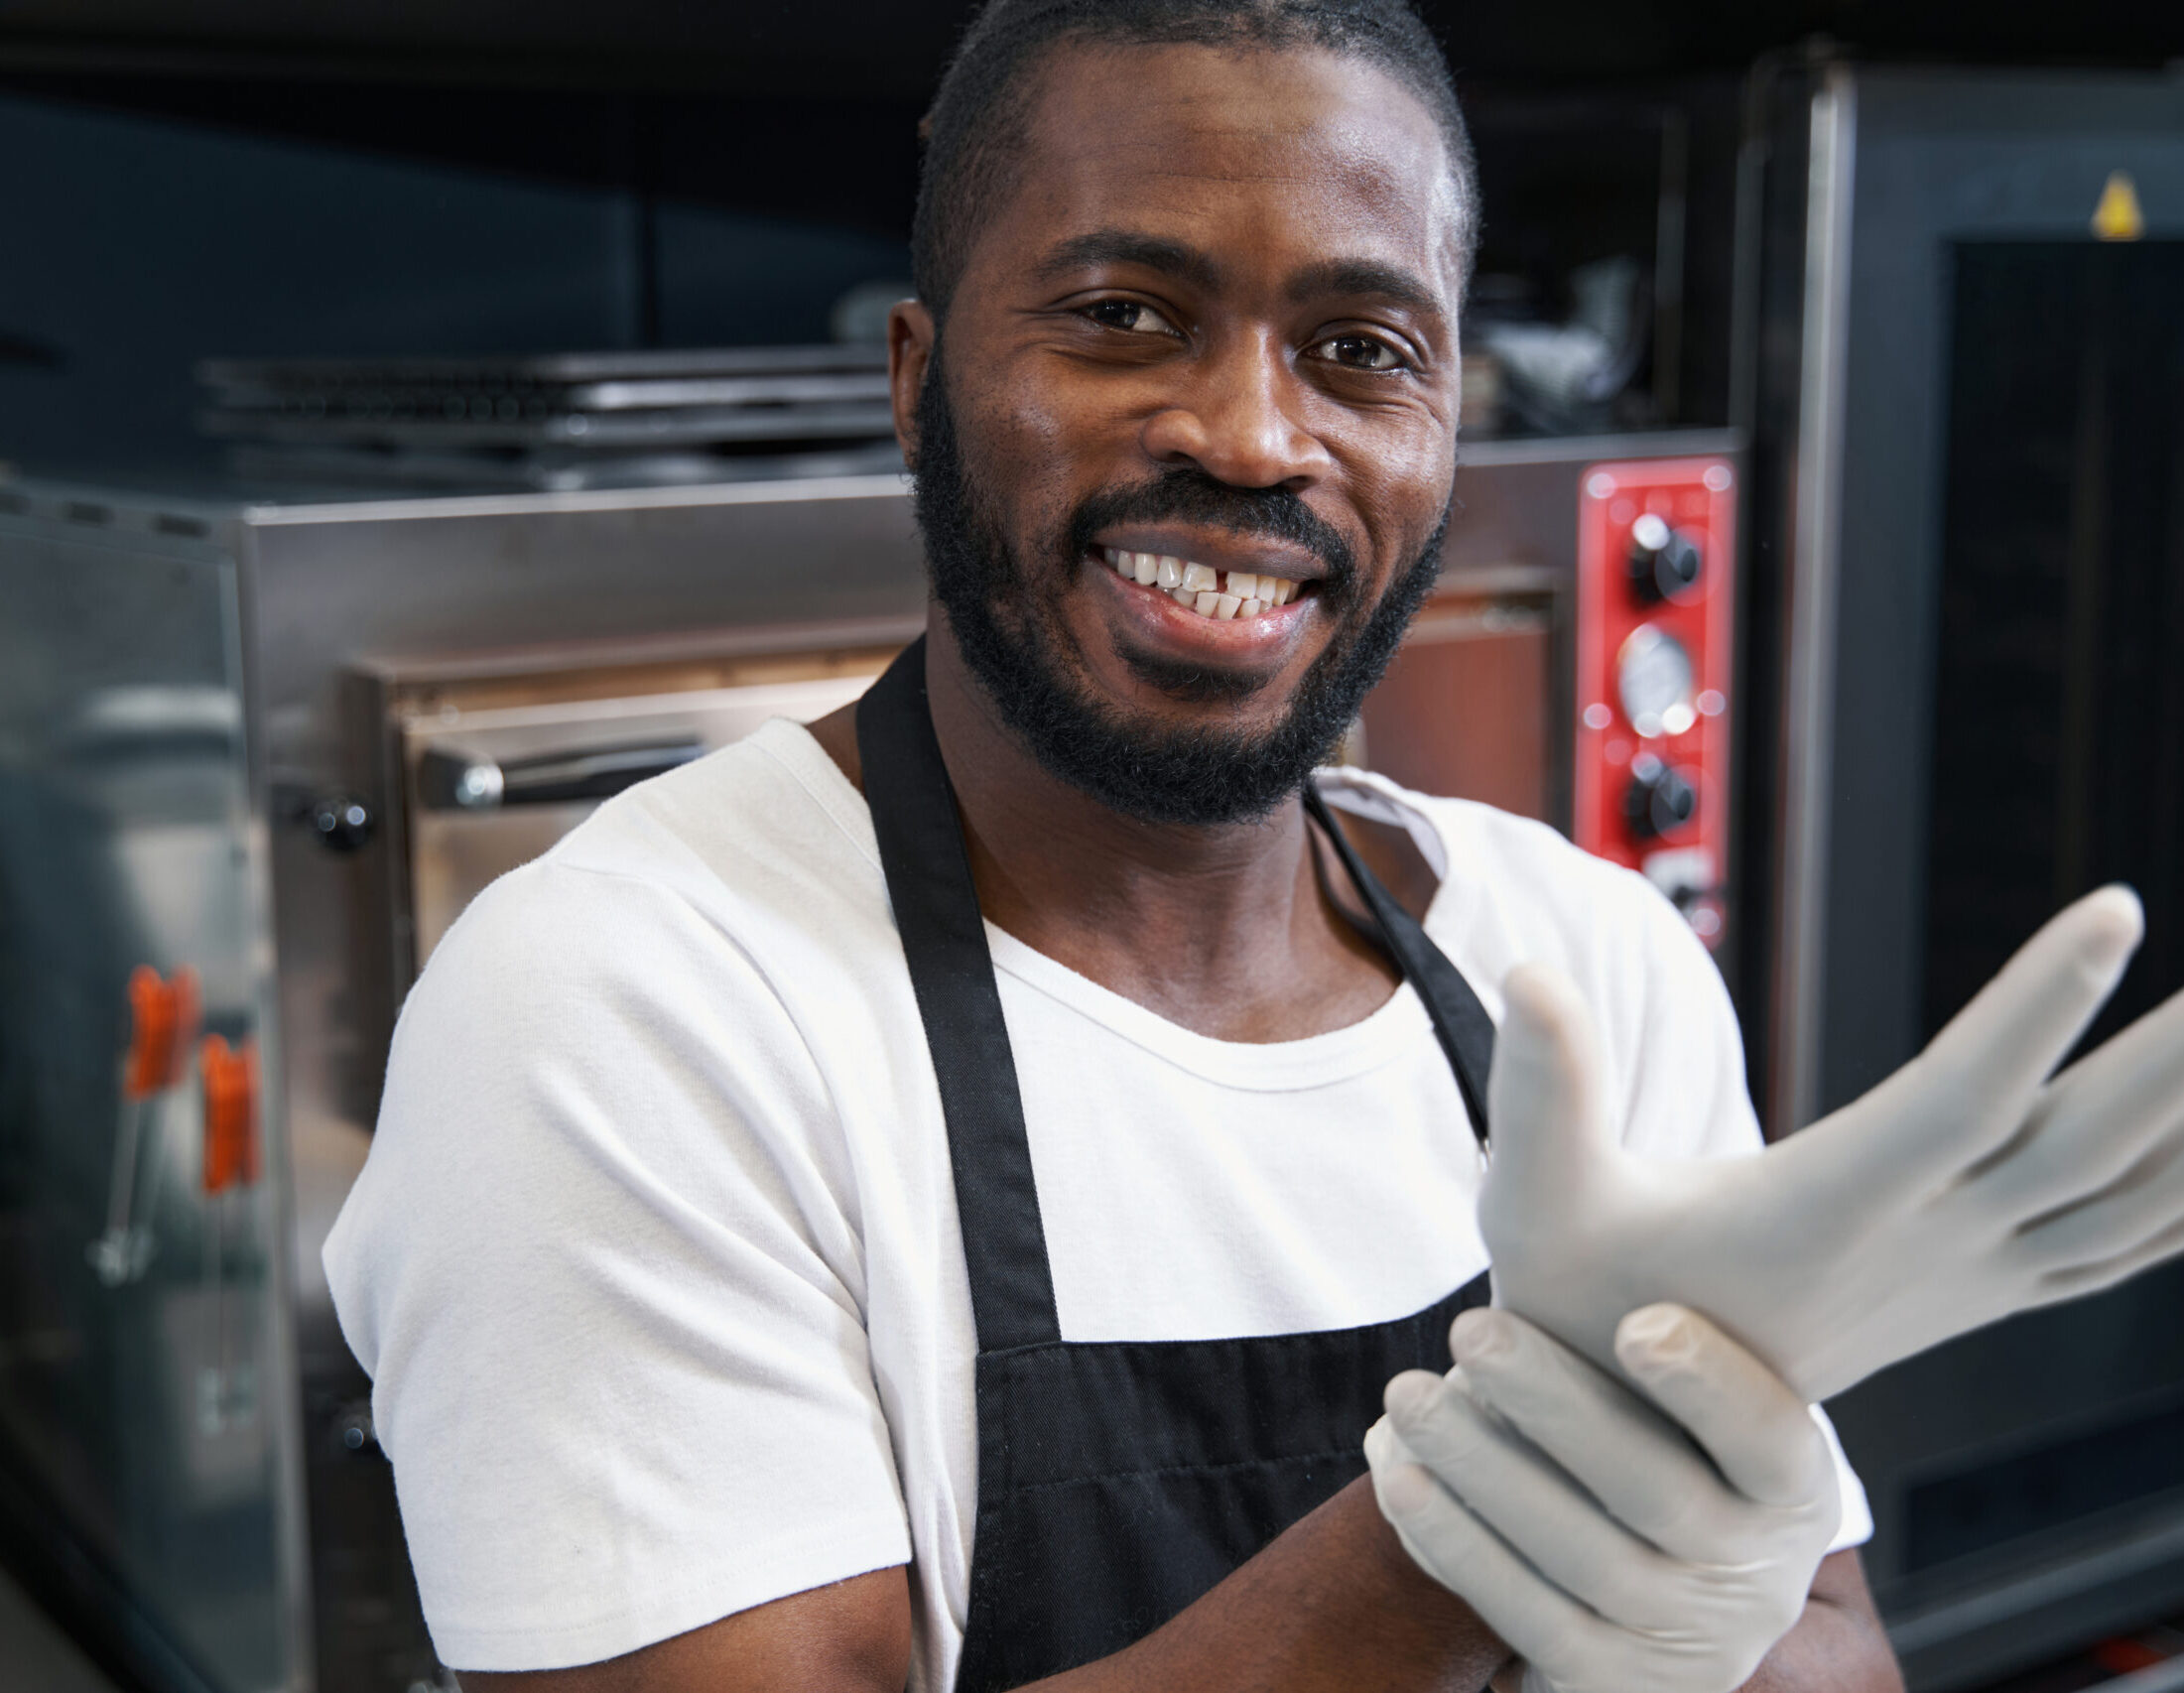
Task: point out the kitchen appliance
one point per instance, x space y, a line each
1577 666
1656 645
1963 369
557 420
243 753
256 754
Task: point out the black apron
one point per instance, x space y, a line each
1117 1481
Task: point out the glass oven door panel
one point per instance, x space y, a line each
2058 754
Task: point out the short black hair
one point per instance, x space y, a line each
973 131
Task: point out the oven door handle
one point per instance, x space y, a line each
460 781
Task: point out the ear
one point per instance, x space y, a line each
910 337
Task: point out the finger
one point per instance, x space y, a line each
1621 1450
1994 1054
1533 1504
1537 1621
2096 1120
2141 1203
2091 1278
1754 1427
1543 1096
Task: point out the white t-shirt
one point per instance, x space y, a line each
655 1261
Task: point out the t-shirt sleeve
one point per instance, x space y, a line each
1689 1099
603 1268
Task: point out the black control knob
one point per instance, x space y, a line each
1659 801
342 822
1664 562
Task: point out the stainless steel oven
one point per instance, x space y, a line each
1962 299
254 758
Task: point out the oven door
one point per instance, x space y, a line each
1979 464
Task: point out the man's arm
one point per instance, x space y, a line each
1839 1645
1330 1605
1334 1603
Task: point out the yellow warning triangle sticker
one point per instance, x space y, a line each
2118 218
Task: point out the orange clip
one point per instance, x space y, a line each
230 1076
163 1021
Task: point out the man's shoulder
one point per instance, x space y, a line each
739 871
772 801
1498 861
757 824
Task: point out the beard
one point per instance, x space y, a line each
1004 613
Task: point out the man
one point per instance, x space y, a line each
748 1311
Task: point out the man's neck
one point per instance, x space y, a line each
1231 930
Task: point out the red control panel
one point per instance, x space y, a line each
1657 541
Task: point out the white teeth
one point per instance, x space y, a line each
1224 606
1200 585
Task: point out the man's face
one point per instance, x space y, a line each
1214 322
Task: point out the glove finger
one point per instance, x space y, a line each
2146 1199
1752 1423
2094 1121
1980 1074
1535 1506
2091 1278
1550 1127
1620 1449
1534 1619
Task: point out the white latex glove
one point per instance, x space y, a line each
1584 1527
1965 1187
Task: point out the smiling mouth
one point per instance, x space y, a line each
1200 588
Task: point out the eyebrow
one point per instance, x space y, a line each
1124 247
1364 277
1350 277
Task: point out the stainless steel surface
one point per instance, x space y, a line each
1975 1635
1801 877
2021 1477
248 812
146 1389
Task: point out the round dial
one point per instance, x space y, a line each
1659 801
1654 680
1664 562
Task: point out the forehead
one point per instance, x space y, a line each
1283 157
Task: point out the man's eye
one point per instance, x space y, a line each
1358 352
1128 314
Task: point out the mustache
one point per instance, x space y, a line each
1184 493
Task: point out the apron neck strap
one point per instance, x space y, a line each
1460 1021
944 940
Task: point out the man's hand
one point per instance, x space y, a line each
1584 1527
1965 1187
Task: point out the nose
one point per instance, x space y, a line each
1237 419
